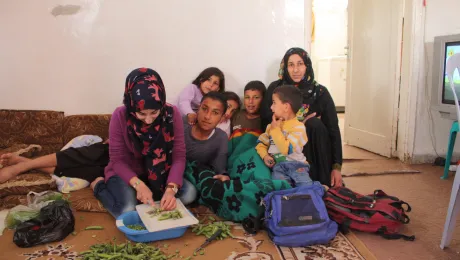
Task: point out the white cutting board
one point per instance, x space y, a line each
153 225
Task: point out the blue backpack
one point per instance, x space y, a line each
298 217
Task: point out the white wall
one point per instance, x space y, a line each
441 17
77 62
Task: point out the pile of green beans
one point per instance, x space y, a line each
175 214
136 227
208 229
154 212
125 251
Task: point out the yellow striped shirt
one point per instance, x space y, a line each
288 140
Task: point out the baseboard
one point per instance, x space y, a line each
340 109
429 158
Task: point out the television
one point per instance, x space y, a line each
442 97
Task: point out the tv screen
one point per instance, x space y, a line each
447 94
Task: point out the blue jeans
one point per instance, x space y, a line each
118 197
296 173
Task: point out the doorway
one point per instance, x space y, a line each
329 47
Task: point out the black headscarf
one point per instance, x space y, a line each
308 86
144 89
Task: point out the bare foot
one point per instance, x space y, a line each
96 181
9 172
9 159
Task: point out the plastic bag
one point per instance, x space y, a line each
55 222
35 202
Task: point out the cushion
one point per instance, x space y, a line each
77 125
66 184
82 140
84 200
32 127
24 150
23 183
11 201
81 200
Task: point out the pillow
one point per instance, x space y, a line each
66 184
24 183
84 200
12 201
25 150
82 140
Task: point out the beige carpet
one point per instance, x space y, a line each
376 167
429 197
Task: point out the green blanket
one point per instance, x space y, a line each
250 181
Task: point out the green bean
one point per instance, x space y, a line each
94 228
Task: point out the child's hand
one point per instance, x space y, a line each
269 161
191 118
221 177
276 122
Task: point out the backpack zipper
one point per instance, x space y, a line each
303 196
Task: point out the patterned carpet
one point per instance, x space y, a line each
243 247
346 247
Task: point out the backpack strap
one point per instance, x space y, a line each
380 194
383 233
344 227
349 195
399 204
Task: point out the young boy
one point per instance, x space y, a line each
282 143
204 142
249 118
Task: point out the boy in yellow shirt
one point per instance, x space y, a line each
282 143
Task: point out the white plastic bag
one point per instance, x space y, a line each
35 201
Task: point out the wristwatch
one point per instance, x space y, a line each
173 187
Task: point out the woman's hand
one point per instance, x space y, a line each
269 161
221 177
168 202
144 194
191 118
336 178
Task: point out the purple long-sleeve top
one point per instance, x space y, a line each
127 162
189 99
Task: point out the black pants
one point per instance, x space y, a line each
86 163
318 151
